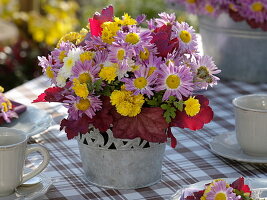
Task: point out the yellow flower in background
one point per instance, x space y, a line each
45 25
192 106
2 89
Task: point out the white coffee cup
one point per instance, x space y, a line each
251 123
13 151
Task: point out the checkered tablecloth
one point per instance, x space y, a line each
191 161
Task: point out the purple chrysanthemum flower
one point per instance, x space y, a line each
204 70
135 39
58 54
142 82
254 9
78 106
210 8
176 80
5 109
101 57
94 43
187 37
85 71
153 64
220 191
140 18
165 19
48 68
118 52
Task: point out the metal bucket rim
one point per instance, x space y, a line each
105 149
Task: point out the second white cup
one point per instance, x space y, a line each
251 123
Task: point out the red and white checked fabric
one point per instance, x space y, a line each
191 161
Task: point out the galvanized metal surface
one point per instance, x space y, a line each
237 49
127 167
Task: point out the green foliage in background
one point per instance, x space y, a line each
150 8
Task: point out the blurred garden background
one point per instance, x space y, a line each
29 28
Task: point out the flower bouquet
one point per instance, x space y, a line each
219 189
254 12
9 109
239 25
136 83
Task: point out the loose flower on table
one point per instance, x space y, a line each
137 82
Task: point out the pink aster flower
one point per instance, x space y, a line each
85 71
176 80
204 70
142 82
135 39
48 68
153 64
254 9
6 112
165 19
59 53
187 37
101 57
211 8
78 106
220 191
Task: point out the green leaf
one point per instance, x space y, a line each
179 105
97 85
167 116
172 98
164 106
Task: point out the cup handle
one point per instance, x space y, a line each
42 166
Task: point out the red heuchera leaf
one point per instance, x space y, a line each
74 127
161 38
173 139
196 122
103 118
253 23
98 19
149 125
95 27
40 98
52 94
239 184
235 16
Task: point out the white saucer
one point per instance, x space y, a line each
31 192
226 145
257 185
33 121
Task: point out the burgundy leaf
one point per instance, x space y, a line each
161 38
74 127
149 125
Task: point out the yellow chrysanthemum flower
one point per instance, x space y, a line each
108 73
124 108
126 20
80 89
87 55
49 73
118 96
126 103
109 31
192 106
73 37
